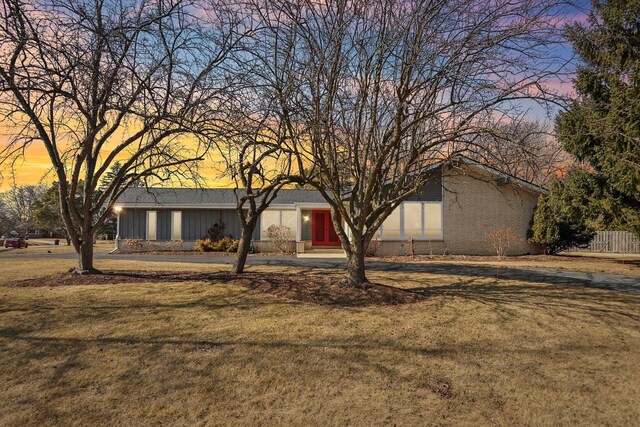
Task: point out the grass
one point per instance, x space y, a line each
479 351
43 246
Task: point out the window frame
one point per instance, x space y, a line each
263 229
155 234
422 221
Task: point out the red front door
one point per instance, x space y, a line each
323 233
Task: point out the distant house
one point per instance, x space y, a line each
451 214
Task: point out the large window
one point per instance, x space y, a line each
176 225
416 220
391 225
277 217
432 217
152 225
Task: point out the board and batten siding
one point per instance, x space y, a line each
133 224
195 223
431 192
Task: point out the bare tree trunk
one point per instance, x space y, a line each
355 266
243 247
85 256
355 260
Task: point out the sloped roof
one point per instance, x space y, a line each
145 197
506 177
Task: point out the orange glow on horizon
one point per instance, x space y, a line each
35 168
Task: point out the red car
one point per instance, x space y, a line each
15 242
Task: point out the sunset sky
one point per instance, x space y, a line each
35 167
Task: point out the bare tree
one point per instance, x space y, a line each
16 205
256 158
100 81
255 146
382 89
523 148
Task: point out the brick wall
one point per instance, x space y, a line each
473 204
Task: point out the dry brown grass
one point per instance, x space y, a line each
43 246
628 265
479 351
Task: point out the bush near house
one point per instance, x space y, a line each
501 240
280 237
558 225
225 244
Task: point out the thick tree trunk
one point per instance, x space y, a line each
85 257
243 248
355 264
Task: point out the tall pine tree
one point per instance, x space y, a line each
602 127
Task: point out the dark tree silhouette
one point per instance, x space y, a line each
100 81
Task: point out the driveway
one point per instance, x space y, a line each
623 283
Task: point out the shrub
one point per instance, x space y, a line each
279 237
131 245
233 247
216 232
557 226
226 244
501 240
204 245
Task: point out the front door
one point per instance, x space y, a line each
323 233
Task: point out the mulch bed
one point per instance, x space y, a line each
304 287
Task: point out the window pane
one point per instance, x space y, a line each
433 220
267 219
289 220
412 220
176 225
152 225
391 225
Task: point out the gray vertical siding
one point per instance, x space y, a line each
195 223
133 223
432 191
164 224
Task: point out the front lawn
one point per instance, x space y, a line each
475 351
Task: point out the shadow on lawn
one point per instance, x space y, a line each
558 301
553 277
196 344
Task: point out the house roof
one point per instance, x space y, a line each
207 197
225 197
506 177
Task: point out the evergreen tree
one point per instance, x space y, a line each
602 127
560 220
46 212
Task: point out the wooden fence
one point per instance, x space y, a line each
613 241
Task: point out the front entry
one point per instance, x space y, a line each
323 233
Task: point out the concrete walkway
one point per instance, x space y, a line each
551 276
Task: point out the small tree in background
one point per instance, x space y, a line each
17 211
46 212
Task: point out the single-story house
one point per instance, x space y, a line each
452 214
